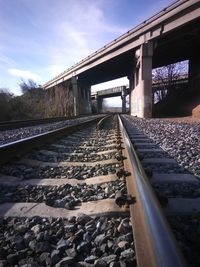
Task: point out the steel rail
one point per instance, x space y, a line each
20 147
101 123
154 242
9 125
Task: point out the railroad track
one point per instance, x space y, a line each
76 197
26 129
176 187
9 125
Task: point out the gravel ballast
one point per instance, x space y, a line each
76 241
73 172
21 133
180 140
65 196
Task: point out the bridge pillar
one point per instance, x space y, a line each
141 83
194 73
75 95
99 104
123 97
81 97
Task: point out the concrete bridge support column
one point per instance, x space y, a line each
141 84
84 93
123 97
194 73
99 104
75 95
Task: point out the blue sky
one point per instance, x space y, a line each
41 38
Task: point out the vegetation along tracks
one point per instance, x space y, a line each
66 203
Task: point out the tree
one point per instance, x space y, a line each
165 79
35 102
28 86
5 104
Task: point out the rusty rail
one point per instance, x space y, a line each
154 242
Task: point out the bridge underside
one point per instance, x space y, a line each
98 97
177 39
180 44
114 68
176 46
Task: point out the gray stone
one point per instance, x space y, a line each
123 244
29 236
127 254
36 229
103 248
22 253
49 201
83 219
43 247
115 264
64 262
40 236
71 252
3 263
99 239
91 259
70 228
87 237
105 261
12 258
124 226
100 263
32 244
63 244
44 257
19 242
55 256
72 219
83 264
84 247
69 205
79 234
127 237
21 229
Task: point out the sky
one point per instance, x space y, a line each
41 38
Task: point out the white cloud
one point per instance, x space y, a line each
81 31
25 74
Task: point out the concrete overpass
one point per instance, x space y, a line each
98 96
169 36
